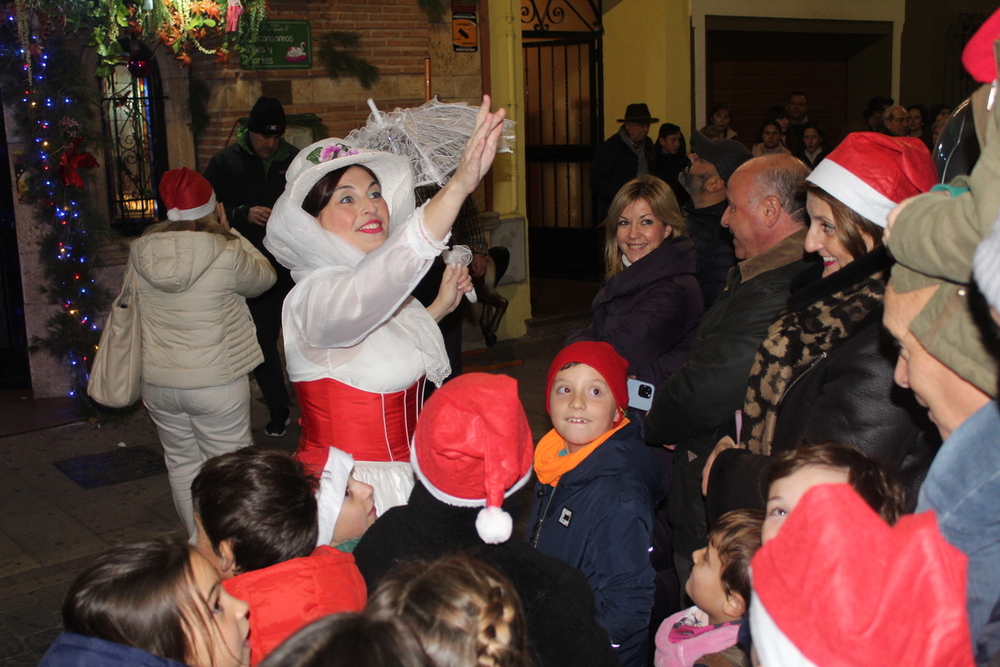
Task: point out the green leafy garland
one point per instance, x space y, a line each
338 62
184 26
55 112
434 9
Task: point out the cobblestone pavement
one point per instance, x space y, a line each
50 527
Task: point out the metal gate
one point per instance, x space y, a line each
563 123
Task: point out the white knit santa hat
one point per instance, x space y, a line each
987 266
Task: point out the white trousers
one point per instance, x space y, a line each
195 425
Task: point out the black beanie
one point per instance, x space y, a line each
267 117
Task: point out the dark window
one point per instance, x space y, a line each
132 113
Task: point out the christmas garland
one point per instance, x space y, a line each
54 114
214 27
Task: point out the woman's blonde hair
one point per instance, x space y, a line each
851 225
465 613
662 203
208 223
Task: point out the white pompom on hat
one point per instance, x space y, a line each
187 195
839 587
871 172
332 490
473 448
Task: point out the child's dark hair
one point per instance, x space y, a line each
351 640
262 502
877 484
736 537
136 594
463 611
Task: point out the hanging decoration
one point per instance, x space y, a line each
70 162
139 65
233 14
213 27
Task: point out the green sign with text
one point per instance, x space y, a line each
280 45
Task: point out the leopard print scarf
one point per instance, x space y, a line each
799 338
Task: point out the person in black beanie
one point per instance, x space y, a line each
248 177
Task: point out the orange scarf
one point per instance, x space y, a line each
550 467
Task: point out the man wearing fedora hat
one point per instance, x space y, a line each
626 154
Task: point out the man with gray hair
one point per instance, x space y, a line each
767 218
894 121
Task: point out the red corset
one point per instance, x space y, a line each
368 426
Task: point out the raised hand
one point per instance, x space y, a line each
477 158
481 149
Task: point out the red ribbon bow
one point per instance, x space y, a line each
70 162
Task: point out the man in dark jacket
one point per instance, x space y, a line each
248 177
705 179
766 217
624 155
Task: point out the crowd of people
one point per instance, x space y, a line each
742 468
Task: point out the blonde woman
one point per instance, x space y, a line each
650 307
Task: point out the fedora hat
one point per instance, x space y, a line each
638 113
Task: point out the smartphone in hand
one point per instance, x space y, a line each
640 394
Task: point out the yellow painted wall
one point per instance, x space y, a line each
647 58
509 193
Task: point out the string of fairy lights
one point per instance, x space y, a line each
55 118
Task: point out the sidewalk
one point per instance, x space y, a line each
51 527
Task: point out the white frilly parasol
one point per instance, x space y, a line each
432 136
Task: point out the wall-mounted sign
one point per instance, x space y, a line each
281 45
464 32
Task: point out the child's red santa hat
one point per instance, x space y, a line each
602 358
331 491
473 448
978 57
871 172
839 587
187 195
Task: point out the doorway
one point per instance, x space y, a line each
563 121
753 64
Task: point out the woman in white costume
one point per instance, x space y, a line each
357 346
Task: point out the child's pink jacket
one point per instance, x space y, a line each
684 653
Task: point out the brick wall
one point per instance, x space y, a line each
395 36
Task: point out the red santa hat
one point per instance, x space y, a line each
473 447
839 587
602 358
871 172
978 57
187 194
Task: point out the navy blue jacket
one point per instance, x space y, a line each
650 312
73 650
599 519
